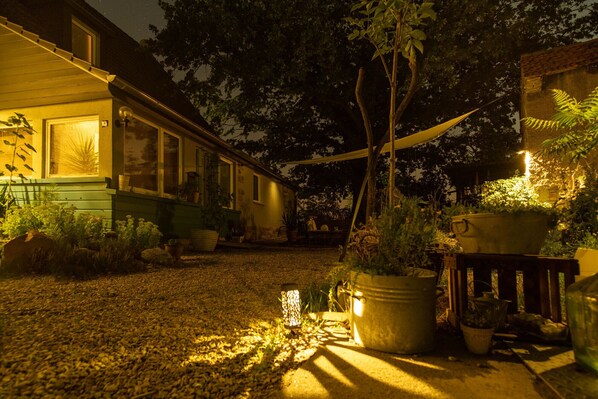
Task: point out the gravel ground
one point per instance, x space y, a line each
206 329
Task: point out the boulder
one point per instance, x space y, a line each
26 253
157 256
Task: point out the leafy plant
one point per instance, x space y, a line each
479 315
315 297
138 234
289 220
577 123
20 149
397 241
58 221
82 155
511 195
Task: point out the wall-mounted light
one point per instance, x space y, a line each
125 115
291 305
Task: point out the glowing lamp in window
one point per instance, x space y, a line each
291 305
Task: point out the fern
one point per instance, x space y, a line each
577 123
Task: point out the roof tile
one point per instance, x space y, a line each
560 59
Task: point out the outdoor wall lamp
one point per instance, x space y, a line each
125 115
291 305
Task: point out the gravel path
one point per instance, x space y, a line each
204 330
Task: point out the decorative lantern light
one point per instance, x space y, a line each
291 305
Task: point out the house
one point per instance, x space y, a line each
572 68
104 108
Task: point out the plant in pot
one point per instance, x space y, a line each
212 218
393 300
175 248
478 324
291 224
508 220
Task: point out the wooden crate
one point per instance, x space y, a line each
541 283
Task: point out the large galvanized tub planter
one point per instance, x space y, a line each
501 233
395 314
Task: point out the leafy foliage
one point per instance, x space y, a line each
138 234
395 242
511 195
286 69
19 125
576 122
58 221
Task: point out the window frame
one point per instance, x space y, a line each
231 179
159 184
161 169
48 144
95 40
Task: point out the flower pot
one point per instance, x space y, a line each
588 262
204 240
395 314
477 340
502 233
123 182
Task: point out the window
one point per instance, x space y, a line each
84 42
141 155
171 163
6 152
257 188
225 177
73 147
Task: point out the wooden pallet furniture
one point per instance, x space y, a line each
541 282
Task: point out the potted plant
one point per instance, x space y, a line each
289 221
175 248
393 304
212 218
478 324
509 220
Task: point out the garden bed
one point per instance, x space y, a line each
206 329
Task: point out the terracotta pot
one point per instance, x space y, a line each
175 250
204 240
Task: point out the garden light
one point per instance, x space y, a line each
291 305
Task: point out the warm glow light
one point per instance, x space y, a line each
528 161
358 304
291 305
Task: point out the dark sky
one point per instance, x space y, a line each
132 16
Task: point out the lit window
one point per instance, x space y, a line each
225 177
6 152
73 147
171 163
84 42
141 155
257 188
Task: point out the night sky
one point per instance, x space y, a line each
132 16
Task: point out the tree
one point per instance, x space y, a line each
576 122
277 79
392 27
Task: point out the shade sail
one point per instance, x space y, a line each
404 142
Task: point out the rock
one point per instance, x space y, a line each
20 253
157 256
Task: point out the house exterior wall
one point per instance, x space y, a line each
263 219
44 87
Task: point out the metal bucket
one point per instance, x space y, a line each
501 233
395 314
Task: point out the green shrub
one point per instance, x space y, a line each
58 221
138 235
315 298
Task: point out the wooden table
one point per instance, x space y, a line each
540 274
